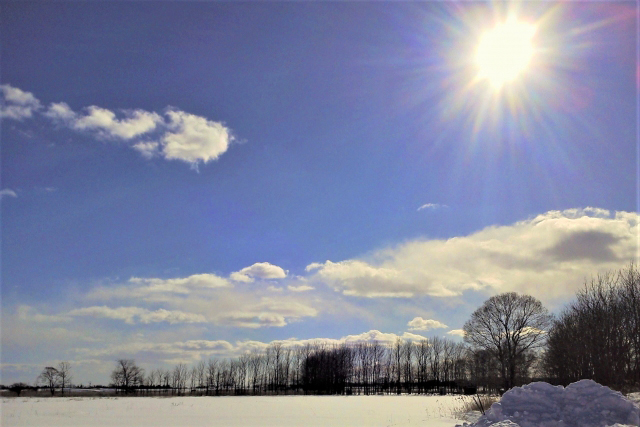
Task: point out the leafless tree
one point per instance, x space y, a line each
508 325
437 345
407 365
49 378
64 375
127 375
179 377
212 369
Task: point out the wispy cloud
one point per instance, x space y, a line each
172 135
547 256
7 192
193 350
145 287
420 324
300 288
432 206
269 312
456 332
214 297
17 104
132 315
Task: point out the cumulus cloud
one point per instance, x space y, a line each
259 270
420 324
432 206
548 256
192 138
17 104
173 135
132 315
7 192
456 332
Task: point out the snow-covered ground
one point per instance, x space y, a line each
276 411
581 404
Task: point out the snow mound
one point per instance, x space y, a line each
581 404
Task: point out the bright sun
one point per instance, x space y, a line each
505 52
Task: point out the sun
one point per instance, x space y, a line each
505 52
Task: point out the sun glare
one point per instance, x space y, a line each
505 52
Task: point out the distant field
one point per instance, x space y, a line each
276 411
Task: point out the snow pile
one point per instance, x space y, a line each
582 404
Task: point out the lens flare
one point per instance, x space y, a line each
505 52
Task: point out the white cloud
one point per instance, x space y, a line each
457 332
190 349
60 111
354 277
176 136
314 266
269 312
387 339
193 138
193 350
420 324
132 315
259 270
182 285
26 313
7 192
17 104
255 320
145 288
432 206
301 288
133 124
548 256
148 149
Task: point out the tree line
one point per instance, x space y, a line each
508 341
598 335
428 366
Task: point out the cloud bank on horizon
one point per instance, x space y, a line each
546 256
174 135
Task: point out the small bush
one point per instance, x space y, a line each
480 403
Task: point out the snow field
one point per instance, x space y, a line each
263 411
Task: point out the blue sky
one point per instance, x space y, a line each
184 180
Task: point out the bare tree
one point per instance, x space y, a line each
64 375
179 377
127 375
212 369
49 378
508 325
201 369
437 345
